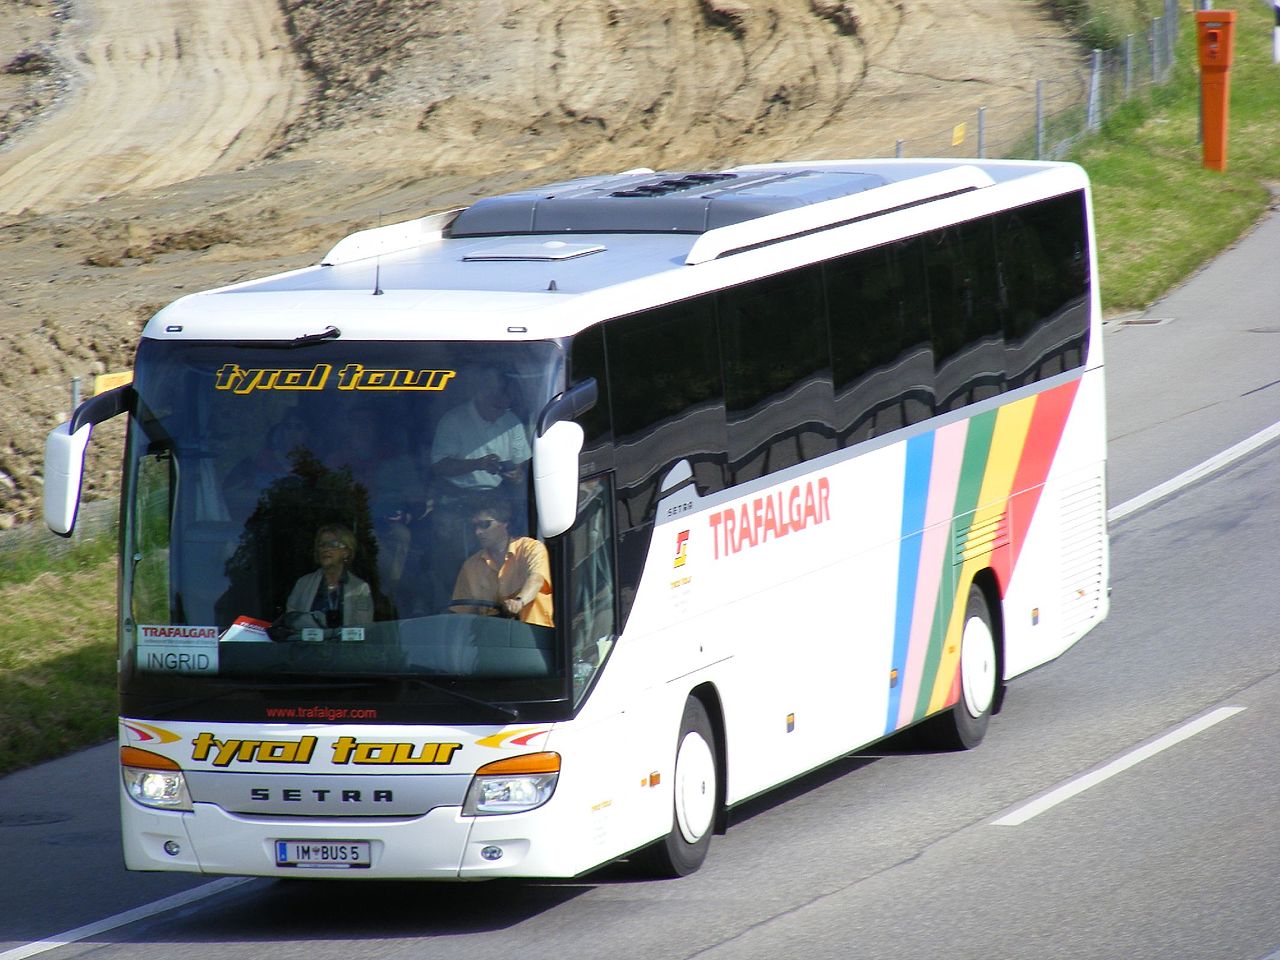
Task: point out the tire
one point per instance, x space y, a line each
965 724
696 790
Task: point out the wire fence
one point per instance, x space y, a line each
1064 110
96 519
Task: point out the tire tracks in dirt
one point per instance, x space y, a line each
162 91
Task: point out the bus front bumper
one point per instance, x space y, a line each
441 844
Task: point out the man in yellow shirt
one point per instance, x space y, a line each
513 574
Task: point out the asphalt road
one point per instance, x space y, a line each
1165 853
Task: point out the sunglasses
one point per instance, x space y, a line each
333 544
483 524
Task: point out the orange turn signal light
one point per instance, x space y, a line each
145 759
527 763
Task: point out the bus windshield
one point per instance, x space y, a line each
349 516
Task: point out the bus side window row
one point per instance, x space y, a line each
758 377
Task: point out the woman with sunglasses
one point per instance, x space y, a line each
331 596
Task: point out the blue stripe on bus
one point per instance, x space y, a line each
915 498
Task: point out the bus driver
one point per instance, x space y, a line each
511 574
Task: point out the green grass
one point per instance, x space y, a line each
1159 214
57 651
1103 24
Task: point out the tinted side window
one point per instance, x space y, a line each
1044 268
667 405
966 313
777 372
881 351
586 360
590 608
667 402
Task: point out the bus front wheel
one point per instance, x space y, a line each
696 789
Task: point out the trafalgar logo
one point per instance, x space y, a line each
771 517
682 546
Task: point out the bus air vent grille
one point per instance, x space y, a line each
1083 523
976 538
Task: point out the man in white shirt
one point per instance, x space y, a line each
481 443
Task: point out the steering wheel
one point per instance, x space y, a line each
474 602
290 624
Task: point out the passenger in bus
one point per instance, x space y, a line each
248 478
375 450
331 596
481 444
511 576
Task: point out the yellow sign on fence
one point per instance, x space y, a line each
109 381
957 135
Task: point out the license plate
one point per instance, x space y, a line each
325 854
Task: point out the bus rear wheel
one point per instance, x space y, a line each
965 724
696 790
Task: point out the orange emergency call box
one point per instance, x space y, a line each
1215 34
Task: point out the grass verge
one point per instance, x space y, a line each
57 651
1160 215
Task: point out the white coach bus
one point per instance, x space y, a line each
517 539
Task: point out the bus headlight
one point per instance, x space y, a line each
513 785
153 780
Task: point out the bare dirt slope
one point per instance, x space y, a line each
205 86
150 148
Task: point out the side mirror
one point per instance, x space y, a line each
64 456
557 445
63 474
555 477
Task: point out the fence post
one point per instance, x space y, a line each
1201 5
1155 51
1128 66
1093 119
897 150
982 133
1039 119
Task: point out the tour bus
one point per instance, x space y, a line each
526 537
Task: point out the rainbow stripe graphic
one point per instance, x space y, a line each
971 489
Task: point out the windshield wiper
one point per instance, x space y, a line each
364 680
306 340
288 685
330 333
511 712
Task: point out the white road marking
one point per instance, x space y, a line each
1082 783
1198 472
120 919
